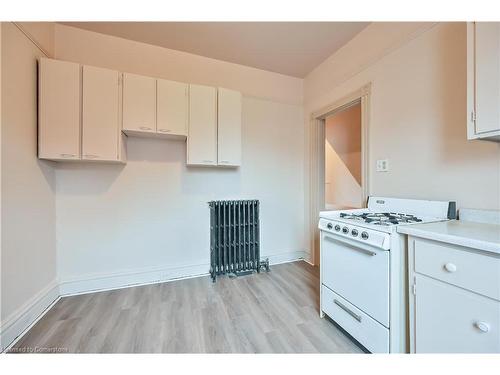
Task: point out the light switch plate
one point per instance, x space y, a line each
382 165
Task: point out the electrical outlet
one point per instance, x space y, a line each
382 165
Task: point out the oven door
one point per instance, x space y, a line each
358 273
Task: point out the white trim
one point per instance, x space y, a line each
316 156
28 328
17 323
291 256
124 279
107 281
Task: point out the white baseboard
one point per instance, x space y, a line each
290 256
100 282
28 314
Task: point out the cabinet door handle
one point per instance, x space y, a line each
144 128
164 130
450 267
482 326
348 310
224 161
208 161
91 156
67 155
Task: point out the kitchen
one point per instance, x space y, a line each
107 220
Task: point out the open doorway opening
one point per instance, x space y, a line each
321 183
343 166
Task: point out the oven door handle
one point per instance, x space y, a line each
352 247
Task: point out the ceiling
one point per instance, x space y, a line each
291 48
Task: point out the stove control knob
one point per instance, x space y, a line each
345 230
364 235
337 228
354 233
329 225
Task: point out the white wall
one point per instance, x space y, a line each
418 119
28 256
150 219
91 48
41 33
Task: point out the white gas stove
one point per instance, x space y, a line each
363 268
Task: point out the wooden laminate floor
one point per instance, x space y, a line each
275 312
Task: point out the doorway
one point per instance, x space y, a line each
343 188
317 173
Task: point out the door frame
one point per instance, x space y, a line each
317 157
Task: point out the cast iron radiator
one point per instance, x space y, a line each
234 238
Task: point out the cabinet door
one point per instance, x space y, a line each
487 73
229 127
59 110
139 103
202 131
171 107
449 319
100 114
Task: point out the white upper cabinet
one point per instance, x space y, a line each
100 114
83 111
59 110
139 103
172 107
483 80
202 130
229 127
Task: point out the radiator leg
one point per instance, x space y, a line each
265 264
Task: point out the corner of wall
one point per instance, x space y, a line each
41 34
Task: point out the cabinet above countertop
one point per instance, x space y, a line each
483 81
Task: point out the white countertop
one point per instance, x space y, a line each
470 234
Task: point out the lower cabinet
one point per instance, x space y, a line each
450 319
454 308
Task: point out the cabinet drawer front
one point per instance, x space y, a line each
476 272
371 334
454 320
359 274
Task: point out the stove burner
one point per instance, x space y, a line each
381 218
